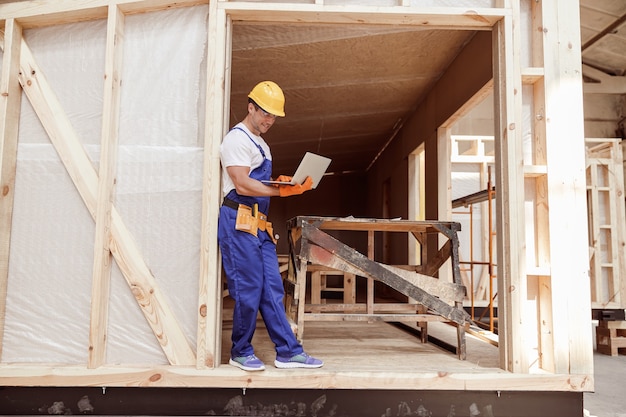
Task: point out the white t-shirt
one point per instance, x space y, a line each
238 150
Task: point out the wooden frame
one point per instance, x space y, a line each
605 185
562 277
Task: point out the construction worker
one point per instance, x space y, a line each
246 238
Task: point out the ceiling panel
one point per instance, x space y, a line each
347 87
603 35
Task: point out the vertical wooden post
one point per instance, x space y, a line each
565 156
370 281
209 285
106 188
10 99
444 196
510 202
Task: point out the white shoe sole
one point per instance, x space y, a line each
293 365
245 368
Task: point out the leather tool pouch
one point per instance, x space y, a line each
270 231
246 221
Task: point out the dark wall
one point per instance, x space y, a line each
467 74
383 191
150 401
335 196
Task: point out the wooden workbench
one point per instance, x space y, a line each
429 298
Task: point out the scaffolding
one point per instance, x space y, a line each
468 202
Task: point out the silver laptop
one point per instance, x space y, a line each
312 165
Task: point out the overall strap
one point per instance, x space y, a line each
249 137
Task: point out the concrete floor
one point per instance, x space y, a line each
609 398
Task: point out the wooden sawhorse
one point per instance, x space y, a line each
430 299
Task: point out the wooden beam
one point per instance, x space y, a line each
209 281
444 193
535 171
432 17
100 289
606 84
33 13
137 274
447 291
510 202
10 99
565 156
460 379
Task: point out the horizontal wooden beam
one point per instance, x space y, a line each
606 84
435 17
36 13
231 377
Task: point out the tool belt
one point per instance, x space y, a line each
250 219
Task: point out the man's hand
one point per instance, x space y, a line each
287 190
282 178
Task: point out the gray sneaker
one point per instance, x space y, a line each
301 360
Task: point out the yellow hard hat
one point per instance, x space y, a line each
269 96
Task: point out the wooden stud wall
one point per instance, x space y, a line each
556 79
554 74
607 228
476 150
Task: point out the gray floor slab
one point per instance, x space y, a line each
609 397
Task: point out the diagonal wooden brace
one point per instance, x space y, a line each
155 308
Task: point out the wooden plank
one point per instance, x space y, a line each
447 291
510 201
546 338
566 182
349 288
594 228
605 83
542 205
614 211
300 295
372 317
441 257
448 228
434 17
100 288
379 308
209 281
35 13
370 280
316 287
10 99
159 315
444 209
620 221
372 268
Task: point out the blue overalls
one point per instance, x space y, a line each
253 278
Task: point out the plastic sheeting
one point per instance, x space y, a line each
158 194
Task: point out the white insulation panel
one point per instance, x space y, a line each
158 192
